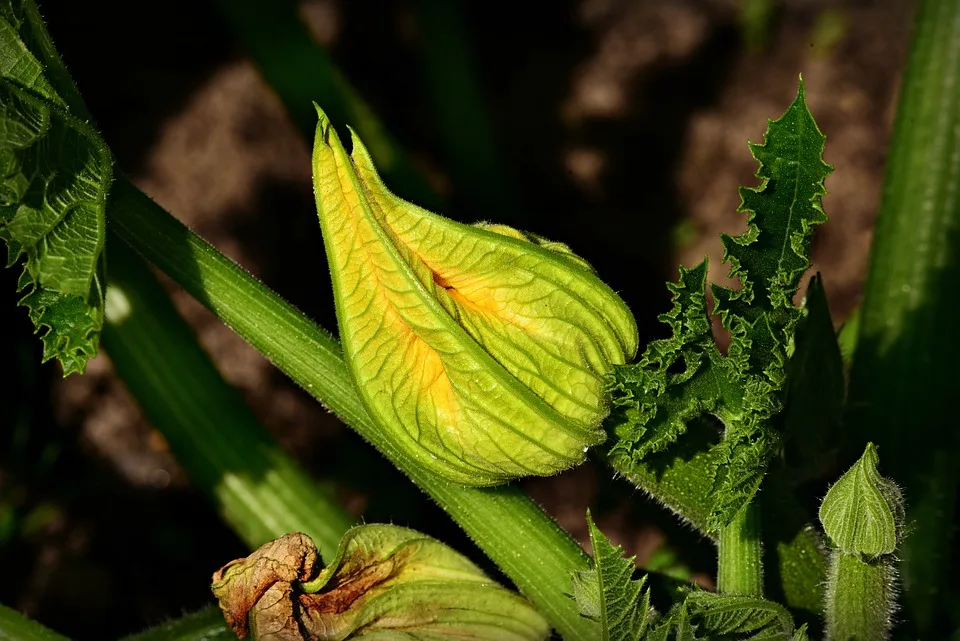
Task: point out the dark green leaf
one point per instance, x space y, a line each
685 377
54 176
771 256
815 389
715 617
676 380
608 594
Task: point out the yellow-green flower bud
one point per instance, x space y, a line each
480 350
386 582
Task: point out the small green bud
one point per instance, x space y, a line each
385 582
480 350
863 515
863 512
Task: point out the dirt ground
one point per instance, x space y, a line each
622 129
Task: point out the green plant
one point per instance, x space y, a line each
729 441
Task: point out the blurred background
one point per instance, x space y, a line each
619 127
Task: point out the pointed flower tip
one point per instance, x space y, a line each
322 120
358 151
324 127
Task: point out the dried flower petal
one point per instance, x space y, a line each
384 579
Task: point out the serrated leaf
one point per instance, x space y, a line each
55 174
677 379
674 626
772 255
608 594
739 617
716 617
685 377
862 513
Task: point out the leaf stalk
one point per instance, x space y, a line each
739 555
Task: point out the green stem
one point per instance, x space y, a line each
205 625
903 381
514 532
739 555
258 489
860 598
16 627
302 73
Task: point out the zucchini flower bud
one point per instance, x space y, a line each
385 582
480 350
863 515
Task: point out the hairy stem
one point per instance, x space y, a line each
513 531
739 555
860 598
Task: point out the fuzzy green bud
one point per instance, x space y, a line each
863 512
480 350
863 515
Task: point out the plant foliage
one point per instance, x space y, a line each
608 593
685 376
55 174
